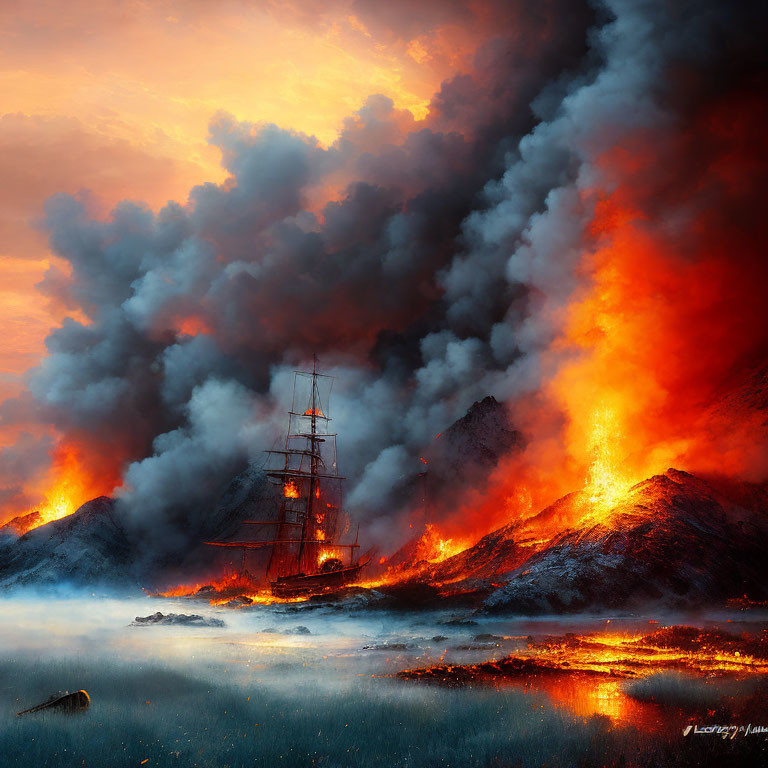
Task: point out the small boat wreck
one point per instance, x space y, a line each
64 702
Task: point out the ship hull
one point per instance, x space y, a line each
302 585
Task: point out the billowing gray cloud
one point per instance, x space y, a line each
436 277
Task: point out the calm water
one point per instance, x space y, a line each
300 684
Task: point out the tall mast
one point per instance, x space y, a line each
313 465
306 525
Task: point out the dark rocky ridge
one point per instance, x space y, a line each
89 547
93 547
674 540
473 444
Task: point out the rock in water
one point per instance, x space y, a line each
300 630
176 619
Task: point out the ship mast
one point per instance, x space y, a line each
313 462
306 527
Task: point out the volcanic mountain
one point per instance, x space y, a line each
93 547
89 547
673 540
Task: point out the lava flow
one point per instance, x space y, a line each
241 588
621 656
433 548
414 560
590 673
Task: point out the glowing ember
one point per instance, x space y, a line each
291 490
192 325
328 554
434 549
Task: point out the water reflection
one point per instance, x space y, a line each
586 697
594 663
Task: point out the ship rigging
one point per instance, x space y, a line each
306 556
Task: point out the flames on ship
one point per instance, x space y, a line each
329 554
430 549
291 490
667 311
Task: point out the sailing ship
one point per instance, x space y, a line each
306 556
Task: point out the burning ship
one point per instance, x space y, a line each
305 555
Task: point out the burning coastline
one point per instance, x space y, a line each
583 244
545 315
540 299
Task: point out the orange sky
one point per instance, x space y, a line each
115 98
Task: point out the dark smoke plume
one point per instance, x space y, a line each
438 276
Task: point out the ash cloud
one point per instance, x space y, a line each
21 463
438 275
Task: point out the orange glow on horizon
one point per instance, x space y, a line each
433 548
71 485
121 110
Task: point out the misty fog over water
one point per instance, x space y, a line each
280 685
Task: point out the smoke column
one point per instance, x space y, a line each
573 228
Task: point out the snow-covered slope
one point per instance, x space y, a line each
88 547
673 540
